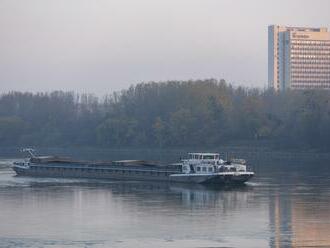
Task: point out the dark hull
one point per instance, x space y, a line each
219 178
229 179
119 173
93 173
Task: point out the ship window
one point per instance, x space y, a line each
204 168
198 168
208 157
210 169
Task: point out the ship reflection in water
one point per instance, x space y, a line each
267 212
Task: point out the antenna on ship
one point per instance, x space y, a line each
30 151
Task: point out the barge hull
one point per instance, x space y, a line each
139 175
44 171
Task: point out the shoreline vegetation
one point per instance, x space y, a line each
173 114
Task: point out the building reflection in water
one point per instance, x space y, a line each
279 222
310 223
299 221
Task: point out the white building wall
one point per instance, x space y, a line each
295 61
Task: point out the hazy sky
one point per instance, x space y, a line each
100 46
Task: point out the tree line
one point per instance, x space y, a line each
198 113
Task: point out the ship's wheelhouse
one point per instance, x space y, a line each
204 156
201 163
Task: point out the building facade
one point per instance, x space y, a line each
298 58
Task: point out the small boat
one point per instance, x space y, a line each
201 168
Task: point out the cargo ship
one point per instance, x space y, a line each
200 168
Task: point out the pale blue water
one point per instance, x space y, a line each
278 208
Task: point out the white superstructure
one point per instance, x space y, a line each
210 168
203 163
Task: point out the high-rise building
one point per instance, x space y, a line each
298 58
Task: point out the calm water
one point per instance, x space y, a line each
281 207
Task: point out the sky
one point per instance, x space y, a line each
101 46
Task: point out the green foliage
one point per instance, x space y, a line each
168 114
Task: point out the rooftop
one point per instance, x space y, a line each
203 153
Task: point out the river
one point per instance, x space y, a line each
285 205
